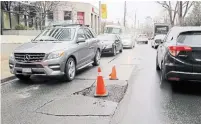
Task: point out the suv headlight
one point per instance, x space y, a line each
55 54
12 56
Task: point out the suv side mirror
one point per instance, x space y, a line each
116 41
80 39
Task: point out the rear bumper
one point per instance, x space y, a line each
127 46
145 42
183 75
107 50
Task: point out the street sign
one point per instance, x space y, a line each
104 11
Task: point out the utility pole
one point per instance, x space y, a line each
180 13
135 20
125 14
99 24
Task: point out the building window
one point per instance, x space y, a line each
67 15
6 20
50 15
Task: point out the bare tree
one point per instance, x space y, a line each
194 18
172 10
180 8
42 8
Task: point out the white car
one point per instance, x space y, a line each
128 41
142 38
157 40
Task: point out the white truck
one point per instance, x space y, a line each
160 28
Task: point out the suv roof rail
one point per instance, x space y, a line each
65 25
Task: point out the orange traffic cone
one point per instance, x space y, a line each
113 75
100 87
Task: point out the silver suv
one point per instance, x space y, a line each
58 50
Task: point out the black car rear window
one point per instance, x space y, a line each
190 38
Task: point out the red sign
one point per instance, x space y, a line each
80 17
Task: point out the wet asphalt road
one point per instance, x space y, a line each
144 103
147 103
21 100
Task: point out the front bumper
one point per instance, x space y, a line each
52 67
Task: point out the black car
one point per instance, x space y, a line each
111 43
179 56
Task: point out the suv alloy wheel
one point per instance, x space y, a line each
97 58
70 69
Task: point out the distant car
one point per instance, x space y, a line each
58 50
142 38
179 56
128 41
113 29
111 43
157 40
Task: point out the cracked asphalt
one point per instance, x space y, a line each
46 100
49 100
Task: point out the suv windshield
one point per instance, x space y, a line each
111 30
56 34
190 38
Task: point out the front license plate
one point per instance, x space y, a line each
26 70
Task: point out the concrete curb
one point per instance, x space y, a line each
7 79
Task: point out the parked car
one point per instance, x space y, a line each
113 29
58 50
179 56
128 41
157 40
111 43
142 38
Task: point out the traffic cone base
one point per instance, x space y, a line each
101 95
114 79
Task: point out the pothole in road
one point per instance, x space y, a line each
115 92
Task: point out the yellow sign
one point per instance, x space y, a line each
104 11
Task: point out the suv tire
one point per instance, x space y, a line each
97 58
121 50
114 51
157 66
70 69
23 77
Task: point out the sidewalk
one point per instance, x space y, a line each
15 38
8 44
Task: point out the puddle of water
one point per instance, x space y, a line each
25 93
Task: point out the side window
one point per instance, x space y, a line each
80 33
94 34
88 33
119 38
116 37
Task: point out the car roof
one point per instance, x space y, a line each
115 26
108 35
185 29
175 31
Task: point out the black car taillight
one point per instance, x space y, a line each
175 50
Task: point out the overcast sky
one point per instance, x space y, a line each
116 9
